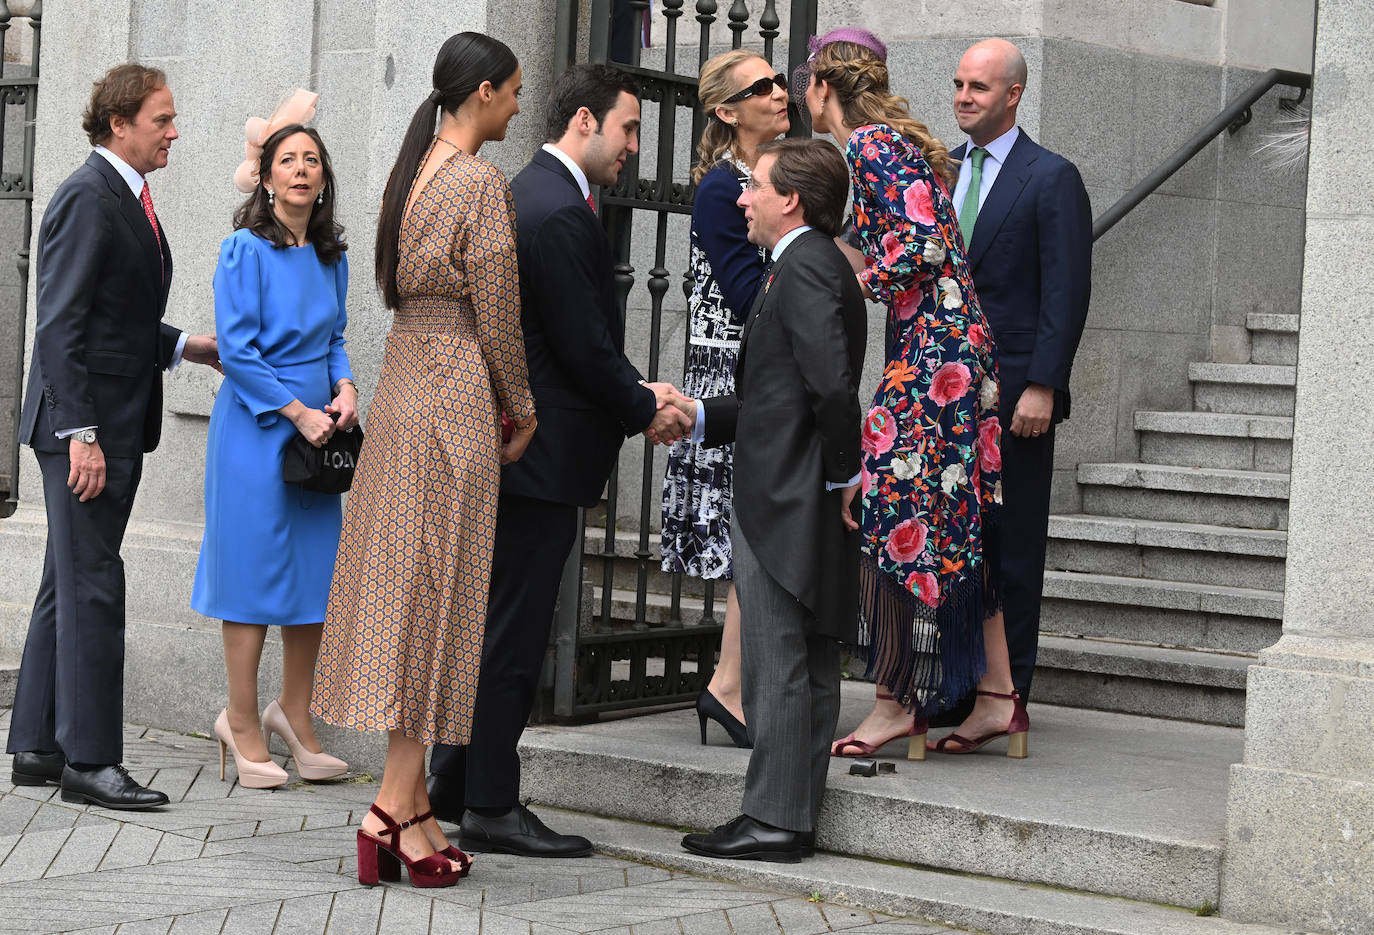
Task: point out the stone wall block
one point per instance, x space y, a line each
1323 725
1259 261
1090 434
1172 100
1336 341
1341 176
1153 271
1154 374
1087 99
1299 850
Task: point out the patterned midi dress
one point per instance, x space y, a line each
407 609
931 440
726 272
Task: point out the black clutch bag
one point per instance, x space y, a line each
328 469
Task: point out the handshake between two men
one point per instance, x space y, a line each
676 416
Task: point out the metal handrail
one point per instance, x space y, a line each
1236 114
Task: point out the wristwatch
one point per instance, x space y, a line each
87 436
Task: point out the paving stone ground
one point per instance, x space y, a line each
224 860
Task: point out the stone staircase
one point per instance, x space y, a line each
1158 595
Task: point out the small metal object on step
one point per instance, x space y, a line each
868 767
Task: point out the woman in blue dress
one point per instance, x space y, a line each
745 104
268 553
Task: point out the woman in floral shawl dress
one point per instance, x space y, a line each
929 583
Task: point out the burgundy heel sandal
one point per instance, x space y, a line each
461 858
1017 747
916 749
379 860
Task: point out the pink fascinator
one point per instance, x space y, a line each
298 108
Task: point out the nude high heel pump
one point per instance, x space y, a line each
252 774
311 766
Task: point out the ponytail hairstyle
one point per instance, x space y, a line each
463 63
714 85
858 77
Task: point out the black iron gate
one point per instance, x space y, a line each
608 655
18 92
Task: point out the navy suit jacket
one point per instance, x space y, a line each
1031 260
100 344
586 392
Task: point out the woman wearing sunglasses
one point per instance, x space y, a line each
745 104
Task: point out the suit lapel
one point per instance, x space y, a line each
1011 179
132 210
762 299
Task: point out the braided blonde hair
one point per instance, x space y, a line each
859 79
714 85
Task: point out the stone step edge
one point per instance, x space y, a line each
1168 534
1214 424
943 897
1143 661
1281 375
1162 594
32 520
1272 321
1180 479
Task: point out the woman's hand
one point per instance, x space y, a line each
345 405
513 449
314 424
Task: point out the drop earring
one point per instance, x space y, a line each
271 196
319 199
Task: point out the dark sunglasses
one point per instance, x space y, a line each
759 88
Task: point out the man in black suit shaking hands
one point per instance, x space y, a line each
589 399
92 409
794 420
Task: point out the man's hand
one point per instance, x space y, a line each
87 477
202 349
1034 410
664 393
670 423
846 498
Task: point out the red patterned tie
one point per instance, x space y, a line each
591 202
147 199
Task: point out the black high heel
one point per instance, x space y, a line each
709 706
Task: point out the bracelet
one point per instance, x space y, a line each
338 385
527 426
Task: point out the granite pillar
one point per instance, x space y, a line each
1300 835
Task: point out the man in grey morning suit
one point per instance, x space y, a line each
92 409
794 420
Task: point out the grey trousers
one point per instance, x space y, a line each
791 697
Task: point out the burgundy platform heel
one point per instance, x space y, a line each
460 858
1017 747
378 860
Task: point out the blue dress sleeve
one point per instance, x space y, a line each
238 286
338 357
724 235
894 213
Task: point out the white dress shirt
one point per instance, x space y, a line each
135 182
578 175
992 164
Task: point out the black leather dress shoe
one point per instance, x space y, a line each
108 787
37 769
746 838
518 831
445 798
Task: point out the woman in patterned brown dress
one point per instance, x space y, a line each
403 633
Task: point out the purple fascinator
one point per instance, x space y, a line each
801 77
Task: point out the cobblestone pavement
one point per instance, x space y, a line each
223 859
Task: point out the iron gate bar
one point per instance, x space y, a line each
20 187
586 651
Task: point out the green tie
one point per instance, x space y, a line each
968 211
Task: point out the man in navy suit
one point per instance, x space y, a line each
589 399
1027 225
92 409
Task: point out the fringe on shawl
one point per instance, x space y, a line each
930 657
